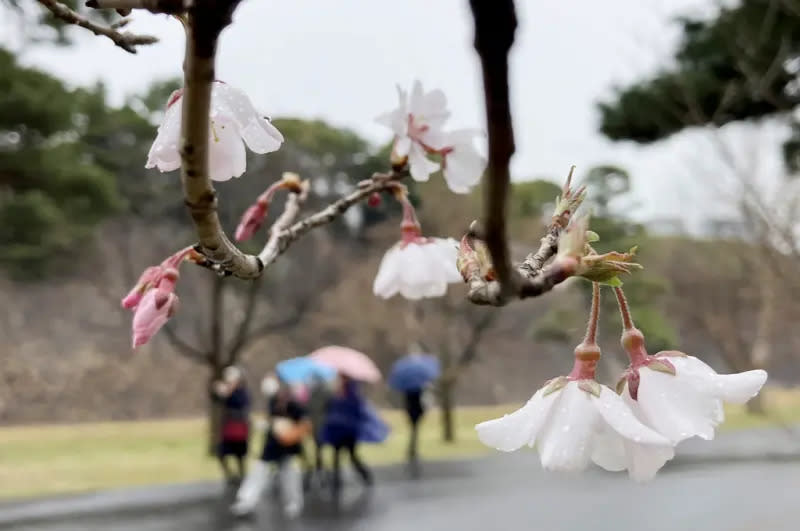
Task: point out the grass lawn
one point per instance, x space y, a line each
46 460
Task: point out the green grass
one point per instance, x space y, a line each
46 460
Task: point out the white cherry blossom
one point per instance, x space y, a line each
574 422
680 396
417 123
422 267
233 120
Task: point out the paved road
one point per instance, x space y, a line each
509 493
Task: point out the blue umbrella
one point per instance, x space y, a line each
414 371
302 370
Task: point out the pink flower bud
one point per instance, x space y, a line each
147 280
251 221
374 200
154 310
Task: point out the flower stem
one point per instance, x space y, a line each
594 316
409 226
624 310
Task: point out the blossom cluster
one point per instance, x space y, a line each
416 267
660 400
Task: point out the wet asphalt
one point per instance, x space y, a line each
506 492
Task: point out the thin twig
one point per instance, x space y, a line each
125 40
286 237
290 211
182 347
154 6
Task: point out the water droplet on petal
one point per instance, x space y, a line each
637 439
566 428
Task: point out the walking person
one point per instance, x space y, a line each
319 398
412 376
349 419
415 409
288 424
232 393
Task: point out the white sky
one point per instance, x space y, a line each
339 61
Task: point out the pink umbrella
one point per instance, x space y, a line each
349 362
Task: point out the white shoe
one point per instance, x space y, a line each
292 510
241 509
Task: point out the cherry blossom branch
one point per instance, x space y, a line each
495 24
379 182
204 23
532 277
290 211
154 6
125 40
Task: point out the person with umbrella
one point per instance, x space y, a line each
231 393
315 379
411 375
349 418
288 425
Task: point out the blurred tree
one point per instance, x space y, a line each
52 193
742 64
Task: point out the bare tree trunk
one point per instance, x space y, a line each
215 410
446 407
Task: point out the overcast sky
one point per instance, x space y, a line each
339 61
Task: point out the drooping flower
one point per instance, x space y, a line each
677 395
573 420
417 123
153 299
416 267
462 165
233 119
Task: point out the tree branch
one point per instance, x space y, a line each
290 211
154 6
495 24
280 243
182 347
205 22
125 40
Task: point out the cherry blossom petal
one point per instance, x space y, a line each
511 432
673 407
735 388
386 282
419 164
165 154
227 157
231 104
565 442
643 461
464 166
402 146
620 418
428 108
